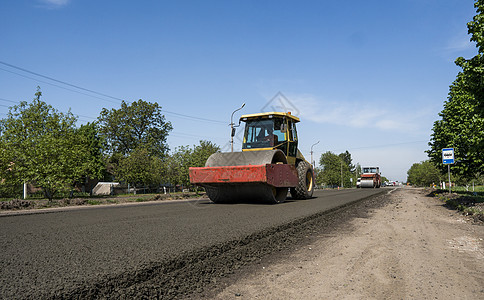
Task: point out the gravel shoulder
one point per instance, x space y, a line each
411 248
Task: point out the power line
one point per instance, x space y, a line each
6 100
375 146
56 85
165 111
18 102
91 91
387 145
192 117
60 81
173 134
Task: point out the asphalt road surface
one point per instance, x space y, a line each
148 250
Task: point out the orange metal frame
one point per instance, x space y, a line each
277 175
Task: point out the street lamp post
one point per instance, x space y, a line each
232 133
312 161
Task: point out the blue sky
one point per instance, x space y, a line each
369 77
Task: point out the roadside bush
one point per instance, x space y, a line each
15 204
469 203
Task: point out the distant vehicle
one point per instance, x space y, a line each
358 183
371 177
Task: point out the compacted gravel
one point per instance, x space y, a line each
410 248
154 250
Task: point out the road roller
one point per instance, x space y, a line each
370 178
269 166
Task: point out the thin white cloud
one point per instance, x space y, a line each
360 114
460 43
54 3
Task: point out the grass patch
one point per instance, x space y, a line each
93 202
462 189
468 202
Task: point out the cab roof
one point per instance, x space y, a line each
268 115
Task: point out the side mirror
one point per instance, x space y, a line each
233 132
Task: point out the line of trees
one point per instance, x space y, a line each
42 146
337 170
424 173
427 173
462 120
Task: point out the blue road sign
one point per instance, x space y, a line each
448 156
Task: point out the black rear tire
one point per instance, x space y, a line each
215 195
305 187
246 192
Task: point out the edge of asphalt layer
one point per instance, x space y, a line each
204 269
20 212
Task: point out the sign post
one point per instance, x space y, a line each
448 159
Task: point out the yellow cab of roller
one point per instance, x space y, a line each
272 130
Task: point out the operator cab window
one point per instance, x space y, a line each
264 133
258 134
292 150
279 135
293 130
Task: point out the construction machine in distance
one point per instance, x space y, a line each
370 178
268 166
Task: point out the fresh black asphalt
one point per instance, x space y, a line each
151 250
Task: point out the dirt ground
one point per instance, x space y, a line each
412 248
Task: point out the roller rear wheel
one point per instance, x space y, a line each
305 187
246 192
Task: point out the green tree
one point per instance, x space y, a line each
347 169
140 124
201 152
462 123
318 176
178 164
94 163
140 168
347 161
42 146
185 157
424 173
357 172
330 169
473 68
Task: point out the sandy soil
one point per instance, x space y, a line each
412 248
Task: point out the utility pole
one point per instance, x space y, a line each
232 127
312 161
448 171
341 173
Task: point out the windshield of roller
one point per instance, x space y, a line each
264 133
370 170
